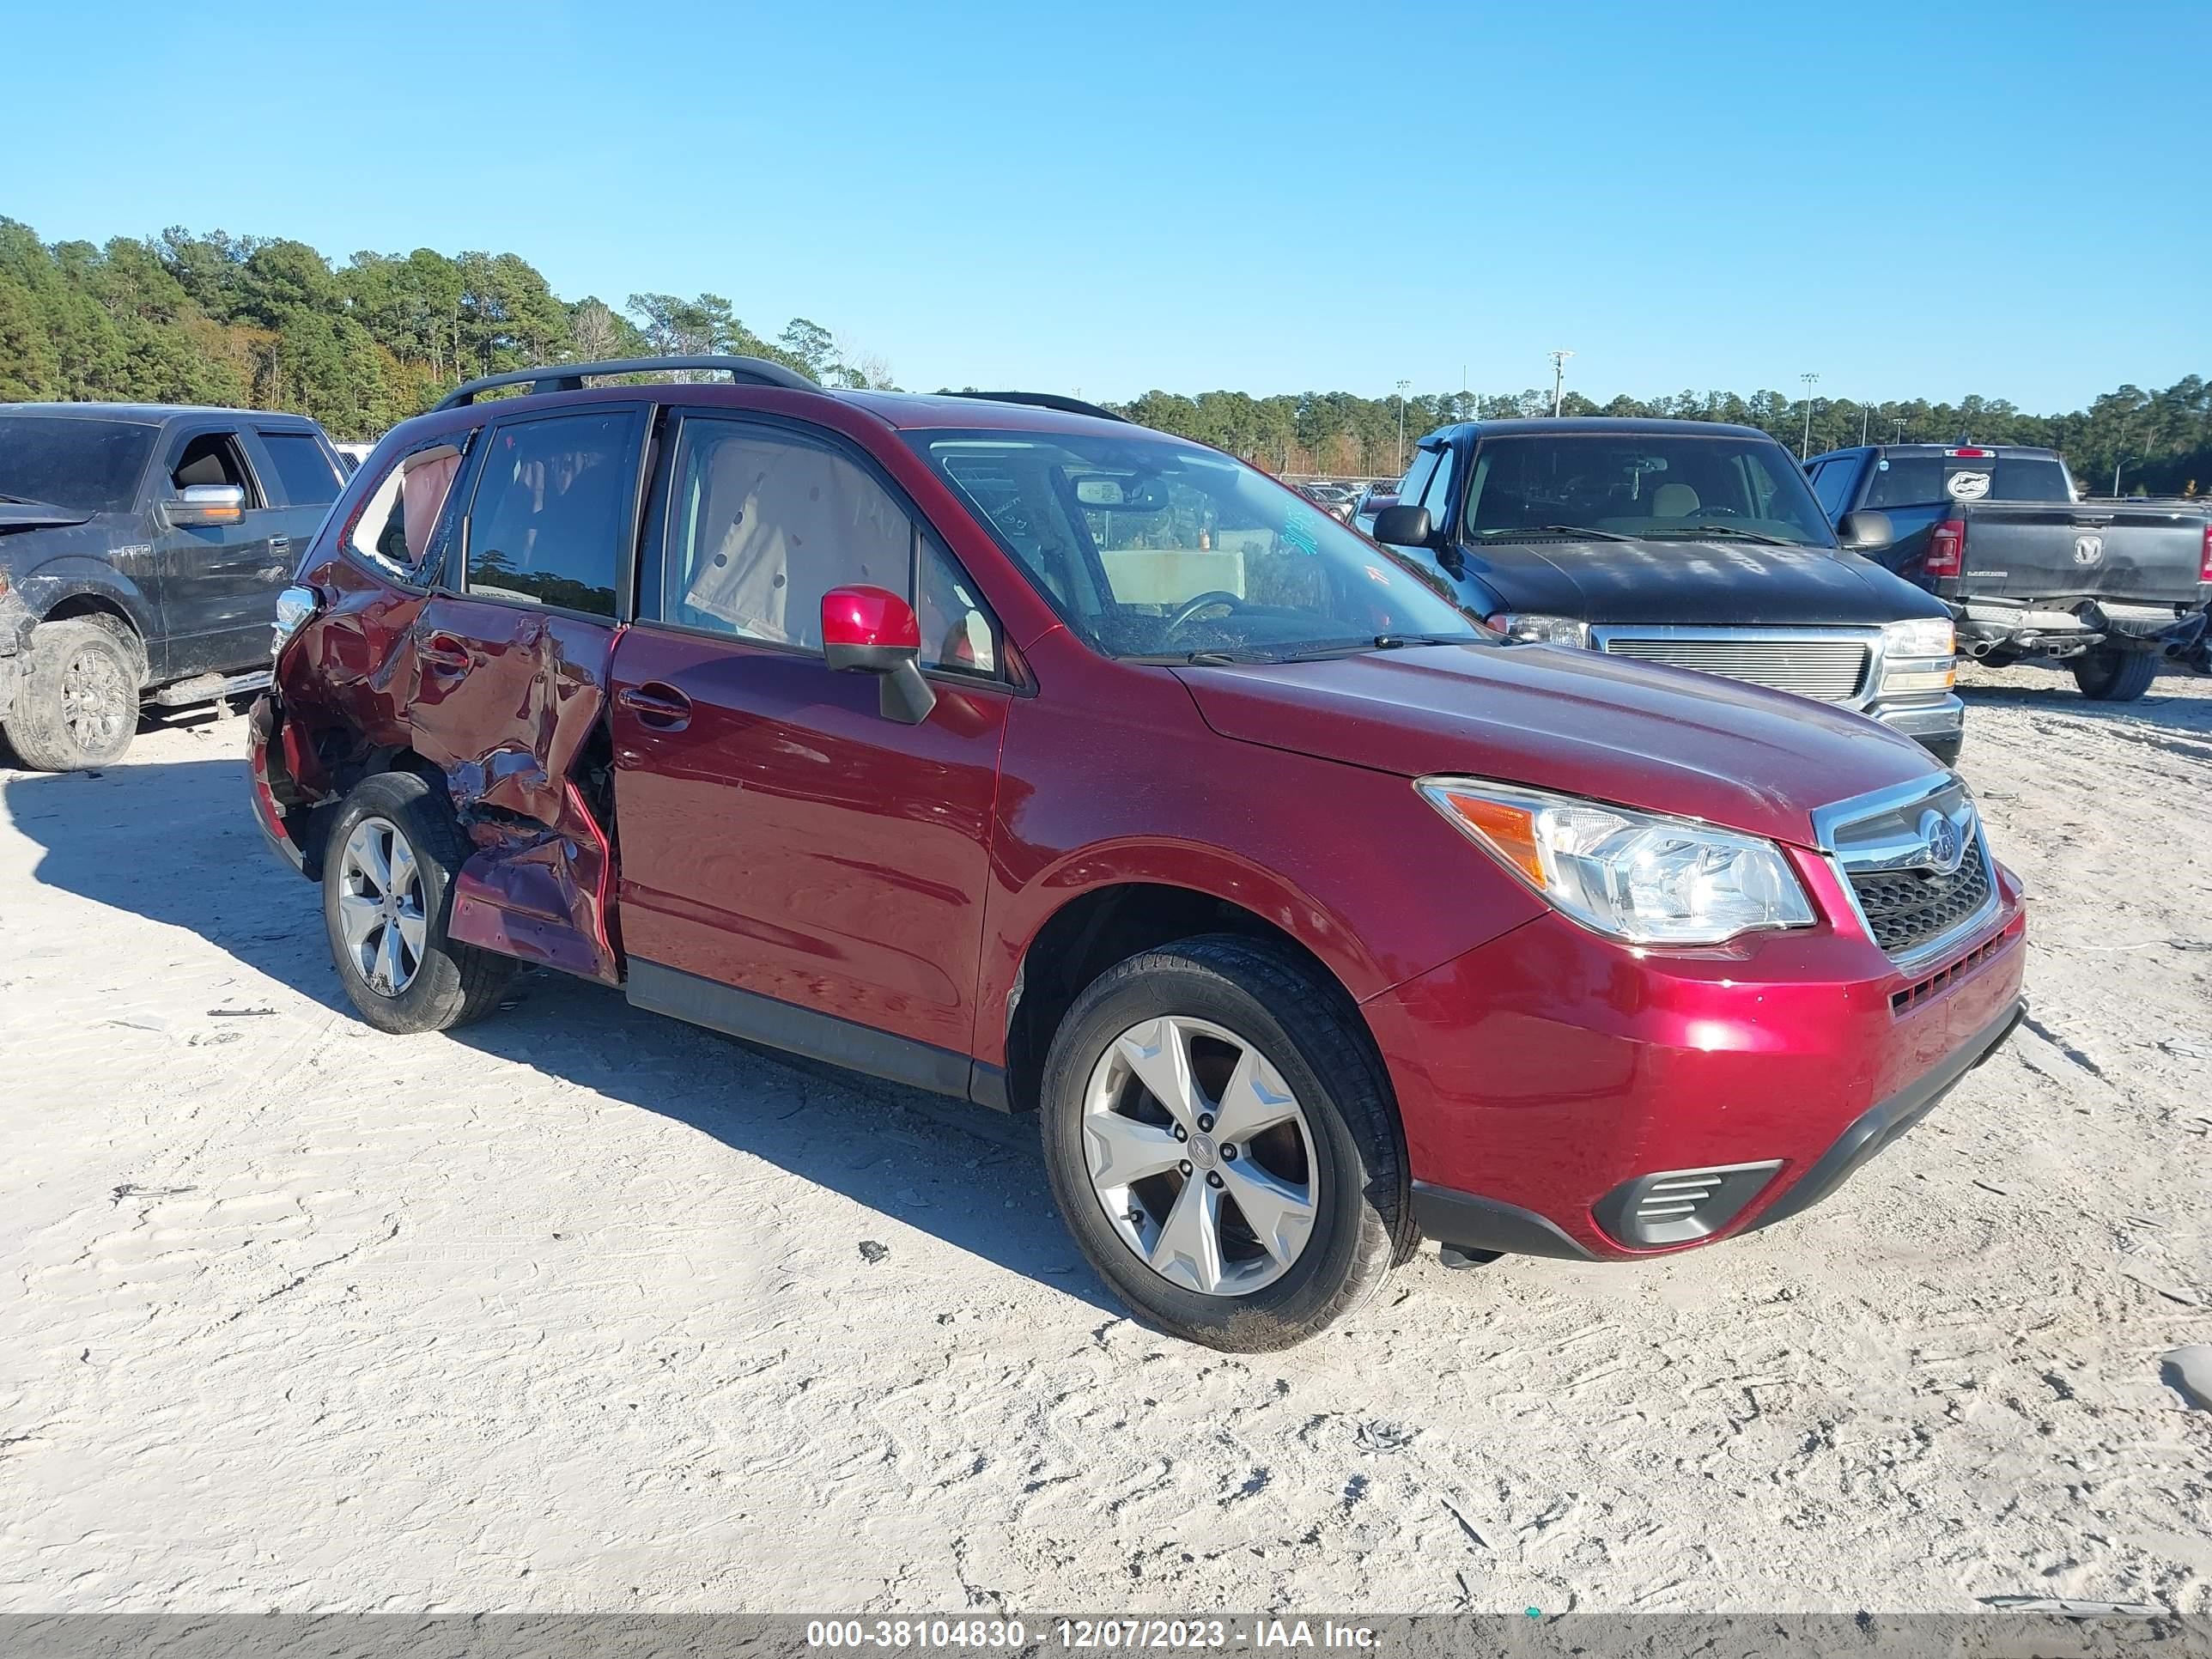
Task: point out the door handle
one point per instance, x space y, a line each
661 706
443 653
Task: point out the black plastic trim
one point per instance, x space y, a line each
1737 1184
570 377
1044 400
1472 1223
786 1025
1877 1128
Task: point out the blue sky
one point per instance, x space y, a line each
1918 199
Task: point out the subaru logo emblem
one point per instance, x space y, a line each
1946 845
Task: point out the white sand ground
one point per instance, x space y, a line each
570 1312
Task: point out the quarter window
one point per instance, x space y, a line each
552 511
398 527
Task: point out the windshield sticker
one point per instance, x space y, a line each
1374 575
1298 527
1967 486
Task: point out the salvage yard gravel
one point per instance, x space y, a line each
582 1309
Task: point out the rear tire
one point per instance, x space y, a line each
1329 1163
388 870
2110 676
77 707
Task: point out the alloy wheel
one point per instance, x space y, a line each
380 912
95 701
1200 1156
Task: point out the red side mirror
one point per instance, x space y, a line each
871 630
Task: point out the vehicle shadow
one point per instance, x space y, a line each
174 842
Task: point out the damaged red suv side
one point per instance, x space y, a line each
1003 748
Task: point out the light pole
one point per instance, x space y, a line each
1898 423
1805 448
1402 384
1559 378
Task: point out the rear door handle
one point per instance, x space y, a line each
443 653
660 707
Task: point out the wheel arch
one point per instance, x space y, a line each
1090 930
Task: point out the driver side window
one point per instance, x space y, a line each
764 522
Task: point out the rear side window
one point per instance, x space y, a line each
2029 478
552 512
398 527
303 470
1906 481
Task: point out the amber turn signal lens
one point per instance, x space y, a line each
1510 830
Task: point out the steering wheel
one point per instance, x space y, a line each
1717 510
1190 608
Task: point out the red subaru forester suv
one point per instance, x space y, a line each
1003 748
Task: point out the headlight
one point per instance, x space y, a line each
1633 875
1919 655
1541 630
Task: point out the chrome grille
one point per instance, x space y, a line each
1829 668
1885 849
1906 908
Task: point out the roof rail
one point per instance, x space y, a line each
570 377
1044 400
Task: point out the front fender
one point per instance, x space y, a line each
73 575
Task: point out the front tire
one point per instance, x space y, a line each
1221 1142
2110 676
387 899
78 705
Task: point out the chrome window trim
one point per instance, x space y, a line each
1829 819
1870 686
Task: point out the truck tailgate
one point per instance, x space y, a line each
2056 551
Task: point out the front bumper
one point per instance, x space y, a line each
1565 1096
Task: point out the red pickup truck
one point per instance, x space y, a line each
1007 749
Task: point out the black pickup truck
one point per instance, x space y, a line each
2030 569
1687 543
142 550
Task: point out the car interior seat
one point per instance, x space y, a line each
1674 501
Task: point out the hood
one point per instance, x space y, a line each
1715 583
38 515
1552 717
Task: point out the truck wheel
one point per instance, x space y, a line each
387 897
2115 676
78 703
1221 1142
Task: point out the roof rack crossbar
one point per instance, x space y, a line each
570 377
1045 400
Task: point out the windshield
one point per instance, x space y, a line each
1649 485
1151 548
87 466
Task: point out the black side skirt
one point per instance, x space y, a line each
818 1036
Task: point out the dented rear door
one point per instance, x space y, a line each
511 667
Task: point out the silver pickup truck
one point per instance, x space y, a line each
2030 568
